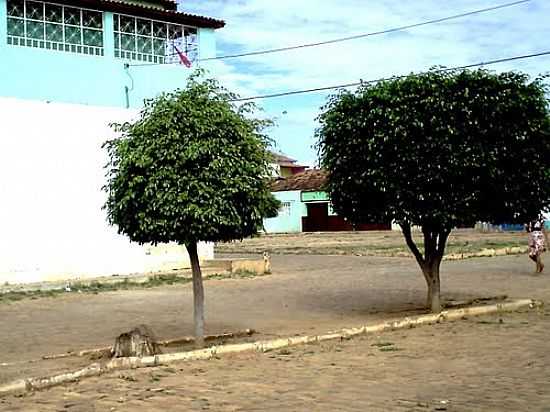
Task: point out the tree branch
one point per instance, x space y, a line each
406 228
442 242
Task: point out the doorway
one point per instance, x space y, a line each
317 217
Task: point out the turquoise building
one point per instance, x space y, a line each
69 68
306 207
98 52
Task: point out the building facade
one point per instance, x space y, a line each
305 207
69 69
284 166
98 52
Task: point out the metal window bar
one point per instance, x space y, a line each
26 40
169 55
44 21
63 24
24 18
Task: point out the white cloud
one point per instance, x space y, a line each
261 24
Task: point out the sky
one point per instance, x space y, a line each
262 24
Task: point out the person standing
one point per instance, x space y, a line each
537 243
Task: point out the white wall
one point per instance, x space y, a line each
51 222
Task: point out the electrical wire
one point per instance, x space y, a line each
376 33
341 86
354 37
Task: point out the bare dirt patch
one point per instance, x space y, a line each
304 295
495 363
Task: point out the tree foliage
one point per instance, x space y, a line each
192 167
438 150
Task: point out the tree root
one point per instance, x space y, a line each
462 303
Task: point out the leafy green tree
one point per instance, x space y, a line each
193 167
438 150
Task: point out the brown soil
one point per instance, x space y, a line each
480 364
473 365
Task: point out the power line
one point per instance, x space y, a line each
376 33
340 86
354 37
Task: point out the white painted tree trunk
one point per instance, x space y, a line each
198 295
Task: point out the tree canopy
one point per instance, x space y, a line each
192 167
438 150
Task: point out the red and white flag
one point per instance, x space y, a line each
183 58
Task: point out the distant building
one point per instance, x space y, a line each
284 166
305 206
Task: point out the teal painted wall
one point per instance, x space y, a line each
46 75
3 26
289 220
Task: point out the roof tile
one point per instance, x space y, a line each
142 10
308 180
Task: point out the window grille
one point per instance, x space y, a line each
55 27
153 41
284 209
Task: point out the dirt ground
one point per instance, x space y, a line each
372 243
475 365
479 364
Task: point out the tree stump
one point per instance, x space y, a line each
139 342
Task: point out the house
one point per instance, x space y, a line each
284 166
68 69
305 206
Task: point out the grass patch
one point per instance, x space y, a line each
384 244
386 347
389 349
368 250
14 296
240 274
95 287
382 344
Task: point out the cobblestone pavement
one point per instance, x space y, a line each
479 364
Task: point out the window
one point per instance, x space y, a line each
284 210
55 27
153 41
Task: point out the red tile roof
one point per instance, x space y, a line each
309 180
279 158
285 161
169 14
289 164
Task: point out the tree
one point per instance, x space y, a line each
438 150
193 167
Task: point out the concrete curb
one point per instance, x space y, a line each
96 369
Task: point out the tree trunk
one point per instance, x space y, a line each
198 295
431 274
435 240
139 342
